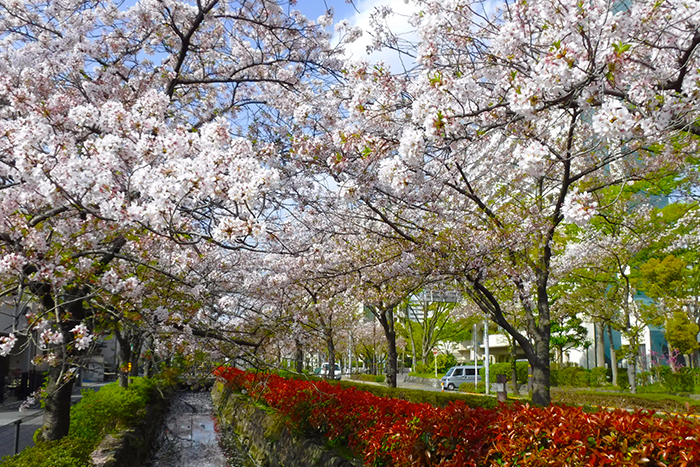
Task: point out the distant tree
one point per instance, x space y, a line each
681 333
567 333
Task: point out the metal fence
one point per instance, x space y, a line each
19 434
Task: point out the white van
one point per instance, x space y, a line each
461 374
324 371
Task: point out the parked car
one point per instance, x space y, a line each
461 374
323 373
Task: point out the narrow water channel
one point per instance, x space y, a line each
188 438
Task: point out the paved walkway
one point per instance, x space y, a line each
27 422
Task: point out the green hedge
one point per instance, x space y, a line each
479 388
681 382
436 398
506 368
570 376
369 378
97 414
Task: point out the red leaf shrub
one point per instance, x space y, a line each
386 431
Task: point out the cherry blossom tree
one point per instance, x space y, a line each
509 122
121 127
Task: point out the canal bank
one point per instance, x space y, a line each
265 437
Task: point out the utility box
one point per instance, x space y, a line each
501 382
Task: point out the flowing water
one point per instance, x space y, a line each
188 437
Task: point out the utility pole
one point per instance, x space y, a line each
486 356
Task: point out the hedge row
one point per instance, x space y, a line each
439 399
656 402
389 431
98 414
369 378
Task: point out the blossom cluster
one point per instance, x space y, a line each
6 344
82 337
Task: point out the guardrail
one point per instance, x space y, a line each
10 433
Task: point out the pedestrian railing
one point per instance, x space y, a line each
11 433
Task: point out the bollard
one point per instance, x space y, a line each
501 392
17 424
442 386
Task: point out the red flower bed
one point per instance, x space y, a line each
385 431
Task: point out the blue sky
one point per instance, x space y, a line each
315 8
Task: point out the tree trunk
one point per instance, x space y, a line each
599 350
385 316
124 359
632 365
412 339
148 359
541 373
514 371
613 356
392 367
56 406
330 345
134 359
299 356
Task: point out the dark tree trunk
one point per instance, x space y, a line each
148 360
540 374
56 406
330 345
135 355
385 316
392 364
537 350
514 371
299 356
124 354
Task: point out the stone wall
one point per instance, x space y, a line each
424 381
263 434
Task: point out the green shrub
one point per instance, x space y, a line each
421 367
598 377
445 362
623 380
644 378
506 368
96 415
680 382
570 376
479 388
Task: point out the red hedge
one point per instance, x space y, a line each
385 431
